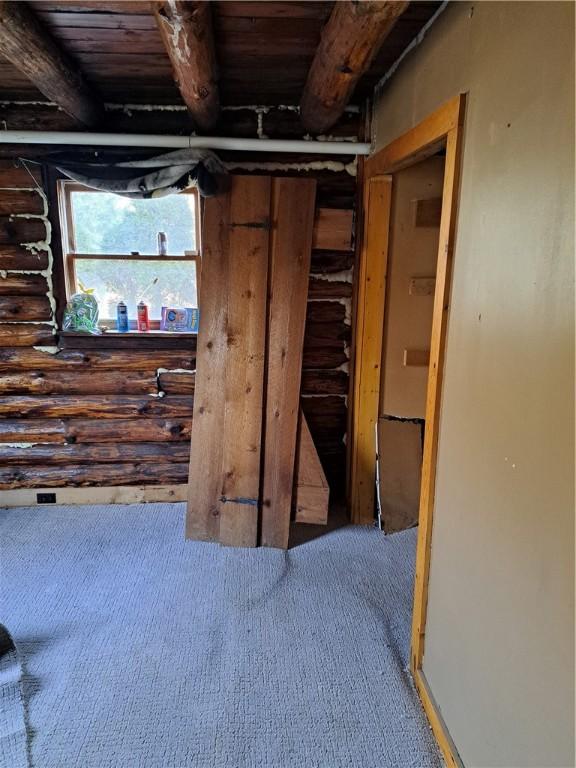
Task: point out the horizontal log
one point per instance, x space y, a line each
94 430
20 201
325 312
328 289
14 174
143 341
78 383
95 474
98 453
330 354
27 45
324 383
177 383
325 415
25 308
26 335
285 124
18 257
14 231
324 262
23 285
124 360
95 406
316 333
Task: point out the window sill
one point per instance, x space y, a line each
136 340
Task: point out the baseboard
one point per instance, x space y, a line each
439 729
121 494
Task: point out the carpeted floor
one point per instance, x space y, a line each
141 650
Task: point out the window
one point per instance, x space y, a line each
111 247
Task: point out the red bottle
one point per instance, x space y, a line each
143 324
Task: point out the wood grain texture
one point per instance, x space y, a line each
369 330
186 29
350 39
30 48
78 383
136 430
205 479
434 390
19 359
244 381
22 284
97 453
18 257
94 474
177 383
95 406
311 490
16 231
24 308
18 201
290 253
26 335
333 229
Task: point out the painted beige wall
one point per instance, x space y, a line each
500 635
412 252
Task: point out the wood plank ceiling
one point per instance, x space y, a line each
264 50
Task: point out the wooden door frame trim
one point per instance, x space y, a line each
442 128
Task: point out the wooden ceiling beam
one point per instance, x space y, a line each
186 29
29 47
350 40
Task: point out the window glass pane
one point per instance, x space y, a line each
158 283
107 223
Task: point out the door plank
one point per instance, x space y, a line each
245 352
205 477
290 253
311 491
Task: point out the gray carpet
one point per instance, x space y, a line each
141 650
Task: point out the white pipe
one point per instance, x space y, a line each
179 142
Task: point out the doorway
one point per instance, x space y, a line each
439 132
408 309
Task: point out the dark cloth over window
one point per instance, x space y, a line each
164 174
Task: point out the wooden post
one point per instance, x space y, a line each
368 342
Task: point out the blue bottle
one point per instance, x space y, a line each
122 318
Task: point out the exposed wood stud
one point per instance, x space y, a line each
186 28
30 48
350 40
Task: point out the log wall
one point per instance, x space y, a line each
78 411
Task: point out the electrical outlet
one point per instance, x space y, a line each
46 498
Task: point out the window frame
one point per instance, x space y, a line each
64 190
